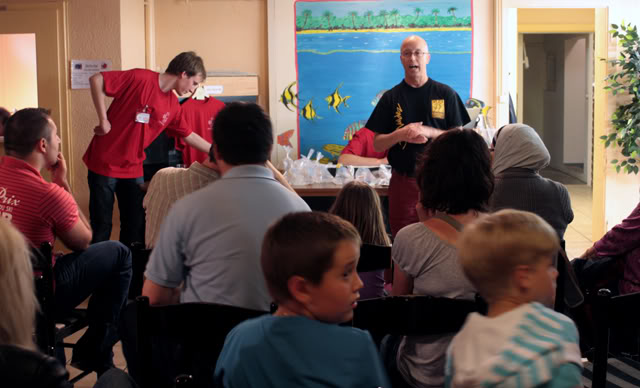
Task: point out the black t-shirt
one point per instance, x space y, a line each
434 103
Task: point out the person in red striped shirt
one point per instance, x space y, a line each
44 211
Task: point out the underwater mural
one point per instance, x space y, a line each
348 55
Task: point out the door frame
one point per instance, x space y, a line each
47 21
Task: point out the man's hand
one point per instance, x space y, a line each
59 172
413 133
103 128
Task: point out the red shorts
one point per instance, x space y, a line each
403 197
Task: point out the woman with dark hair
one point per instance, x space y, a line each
359 204
455 182
4 116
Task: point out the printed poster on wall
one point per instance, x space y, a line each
348 54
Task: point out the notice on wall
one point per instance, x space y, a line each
81 70
213 89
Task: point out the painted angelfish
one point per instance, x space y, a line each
308 112
288 97
335 99
378 96
334 149
284 139
352 129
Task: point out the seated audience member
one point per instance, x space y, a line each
44 211
169 185
4 116
519 155
509 257
622 241
455 182
309 262
360 152
210 240
21 363
359 204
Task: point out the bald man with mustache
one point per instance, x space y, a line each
407 116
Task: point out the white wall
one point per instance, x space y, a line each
575 103
534 83
554 98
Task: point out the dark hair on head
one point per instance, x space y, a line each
24 129
455 175
302 244
189 62
242 134
359 204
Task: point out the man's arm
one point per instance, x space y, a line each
98 96
197 142
411 133
159 295
355 160
79 236
279 177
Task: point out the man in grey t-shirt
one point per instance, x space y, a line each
210 241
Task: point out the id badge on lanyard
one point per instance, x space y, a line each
143 115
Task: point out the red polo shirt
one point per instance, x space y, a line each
199 116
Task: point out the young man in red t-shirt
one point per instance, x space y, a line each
143 106
45 211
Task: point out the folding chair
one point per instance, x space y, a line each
140 258
611 312
51 332
374 258
183 339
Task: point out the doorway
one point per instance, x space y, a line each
18 74
557 96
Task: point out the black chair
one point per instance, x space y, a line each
611 313
140 258
374 258
183 339
413 315
51 330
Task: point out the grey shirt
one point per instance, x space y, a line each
435 269
211 239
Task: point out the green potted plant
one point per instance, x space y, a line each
625 80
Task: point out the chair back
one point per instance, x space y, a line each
41 259
139 259
191 334
374 258
413 315
611 312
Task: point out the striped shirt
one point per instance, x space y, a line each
39 209
166 187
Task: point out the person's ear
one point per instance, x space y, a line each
184 75
427 58
41 146
522 277
299 289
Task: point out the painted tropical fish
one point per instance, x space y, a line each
378 96
284 139
352 129
288 97
333 149
335 99
308 112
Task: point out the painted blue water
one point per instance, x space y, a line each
366 63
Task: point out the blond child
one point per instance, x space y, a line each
509 258
309 262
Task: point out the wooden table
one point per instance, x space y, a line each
329 190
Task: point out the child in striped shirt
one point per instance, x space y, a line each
521 342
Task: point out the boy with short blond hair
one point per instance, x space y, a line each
309 262
509 257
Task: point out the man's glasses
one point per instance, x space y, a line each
417 53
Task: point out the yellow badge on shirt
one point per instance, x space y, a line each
437 109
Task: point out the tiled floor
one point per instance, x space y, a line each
578 234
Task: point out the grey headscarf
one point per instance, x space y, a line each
518 145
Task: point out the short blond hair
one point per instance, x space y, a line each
17 298
491 247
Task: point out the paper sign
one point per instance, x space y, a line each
81 70
213 89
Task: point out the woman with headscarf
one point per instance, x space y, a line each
519 155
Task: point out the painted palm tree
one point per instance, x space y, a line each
353 15
435 13
394 12
368 14
307 14
417 11
452 11
384 14
328 15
